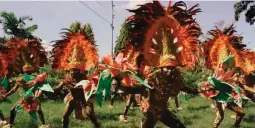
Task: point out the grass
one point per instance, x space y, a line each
196 113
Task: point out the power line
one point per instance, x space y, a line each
100 4
96 13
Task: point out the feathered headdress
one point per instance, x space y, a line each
165 36
225 43
4 60
77 49
25 55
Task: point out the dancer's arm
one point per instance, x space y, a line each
13 90
247 88
60 86
190 90
242 84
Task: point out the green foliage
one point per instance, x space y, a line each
244 6
54 78
89 32
75 27
3 40
120 42
195 77
86 29
16 26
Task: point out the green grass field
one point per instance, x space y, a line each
196 113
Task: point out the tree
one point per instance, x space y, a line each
3 40
16 26
86 29
120 42
249 7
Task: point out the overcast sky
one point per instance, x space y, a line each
52 16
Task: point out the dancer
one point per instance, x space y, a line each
76 53
70 81
26 57
225 83
2 119
163 39
30 101
3 74
222 97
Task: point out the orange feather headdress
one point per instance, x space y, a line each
23 55
76 50
224 43
165 36
4 60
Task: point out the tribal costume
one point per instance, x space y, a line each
3 72
229 59
77 53
26 56
159 40
3 91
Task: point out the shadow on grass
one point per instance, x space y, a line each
189 120
249 105
30 124
199 108
57 120
249 118
109 116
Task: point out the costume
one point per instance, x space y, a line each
225 54
3 91
3 73
159 40
26 56
77 54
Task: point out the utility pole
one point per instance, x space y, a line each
112 24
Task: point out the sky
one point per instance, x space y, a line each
52 16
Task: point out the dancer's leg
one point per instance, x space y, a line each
170 120
219 114
239 113
70 106
150 119
91 114
41 115
13 113
2 116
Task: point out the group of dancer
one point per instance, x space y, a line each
160 40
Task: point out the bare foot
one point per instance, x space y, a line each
123 119
44 126
179 108
212 106
233 116
3 122
6 126
110 106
